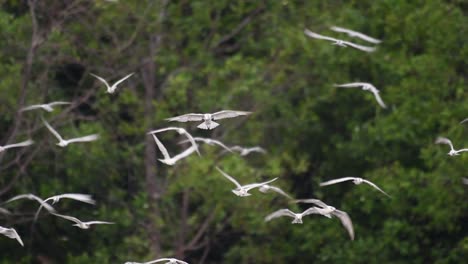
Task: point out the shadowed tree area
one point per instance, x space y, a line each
206 56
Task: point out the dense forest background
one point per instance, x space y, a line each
205 56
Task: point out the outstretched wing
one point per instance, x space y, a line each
85 198
51 129
360 47
345 221
184 154
20 144
31 107
311 210
275 189
314 201
84 139
378 98
464 120
99 223
228 114
353 33
443 140
11 233
255 185
101 79
351 85
279 213
33 197
221 144
59 103
69 218
330 182
229 177
161 147
375 186
157 260
186 118
123 79
318 36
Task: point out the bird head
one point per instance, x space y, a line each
453 153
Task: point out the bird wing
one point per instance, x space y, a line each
311 210
375 186
52 130
85 198
219 143
184 154
314 201
157 260
318 36
98 223
186 118
255 185
360 47
192 140
123 79
11 233
70 218
353 33
443 140
4 211
20 144
228 114
161 147
258 149
32 197
378 98
237 148
464 120
462 150
58 103
345 221
279 213
101 79
350 85
337 181
31 107
84 139
465 180
278 190
229 177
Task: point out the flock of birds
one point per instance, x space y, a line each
208 123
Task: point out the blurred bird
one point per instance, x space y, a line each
464 120
267 188
4 211
17 145
452 152
80 224
329 211
47 107
11 233
169 261
85 198
180 131
465 181
208 119
33 197
246 151
287 212
62 142
167 159
355 180
356 34
365 87
339 42
111 89
208 141
243 191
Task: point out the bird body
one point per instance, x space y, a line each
365 87
355 180
111 89
339 42
46 107
453 151
243 191
11 233
17 145
208 118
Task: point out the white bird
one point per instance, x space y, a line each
243 191
33 197
180 131
64 142
339 42
47 107
172 160
465 181
11 233
365 87
266 188
111 89
452 152
80 224
329 211
286 212
246 151
169 261
464 120
17 145
208 119
208 141
356 34
85 198
355 180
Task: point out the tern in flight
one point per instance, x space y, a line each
111 89
168 261
181 131
286 212
11 233
356 34
208 141
85 198
82 225
339 42
243 191
47 107
355 180
452 152
208 119
365 87
172 160
64 142
17 145
267 188
33 197
246 151
329 211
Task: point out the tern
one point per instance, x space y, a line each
339 42
17 145
452 152
33 197
172 160
365 87
243 191
287 212
246 151
11 233
47 107
85 198
168 261
64 142
209 141
180 131
208 119
111 89
266 188
356 34
82 225
329 211
355 180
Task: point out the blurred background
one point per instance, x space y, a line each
206 56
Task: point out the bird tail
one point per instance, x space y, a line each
213 125
297 221
208 127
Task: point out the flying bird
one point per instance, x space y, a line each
452 152
33 197
339 42
208 119
80 224
47 107
365 87
17 145
356 34
64 142
329 211
355 180
111 89
172 160
267 188
246 151
208 141
243 191
85 198
168 261
181 131
11 233
286 212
